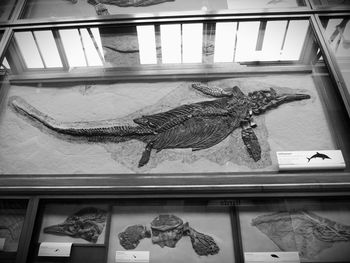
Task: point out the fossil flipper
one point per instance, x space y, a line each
202 244
87 223
146 155
301 230
213 91
132 235
251 142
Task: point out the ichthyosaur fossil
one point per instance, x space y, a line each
87 223
197 126
166 231
301 230
318 155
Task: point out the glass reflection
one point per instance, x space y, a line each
203 43
68 8
238 4
337 33
170 36
331 3
12 214
6 9
147 44
192 43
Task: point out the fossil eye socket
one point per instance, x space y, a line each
155 233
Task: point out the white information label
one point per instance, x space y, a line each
271 257
2 243
310 160
54 249
132 256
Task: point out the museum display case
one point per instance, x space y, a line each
191 230
180 131
317 229
336 34
12 217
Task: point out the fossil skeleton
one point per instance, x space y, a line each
301 230
87 223
197 125
167 230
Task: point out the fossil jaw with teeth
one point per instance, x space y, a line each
87 223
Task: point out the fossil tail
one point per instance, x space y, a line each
308 159
106 128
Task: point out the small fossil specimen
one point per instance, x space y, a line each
87 224
131 236
166 231
197 126
303 231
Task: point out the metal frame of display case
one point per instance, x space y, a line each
225 184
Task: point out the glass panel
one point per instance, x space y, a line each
318 229
337 33
331 3
83 224
65 8
236 43
6 9
256 4
169 114
179 231
55 225
12 215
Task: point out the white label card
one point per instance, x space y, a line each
54 249
271 257
132 256
310 160
2 243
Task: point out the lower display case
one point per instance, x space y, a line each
318 229
12 217
191 230
173 232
